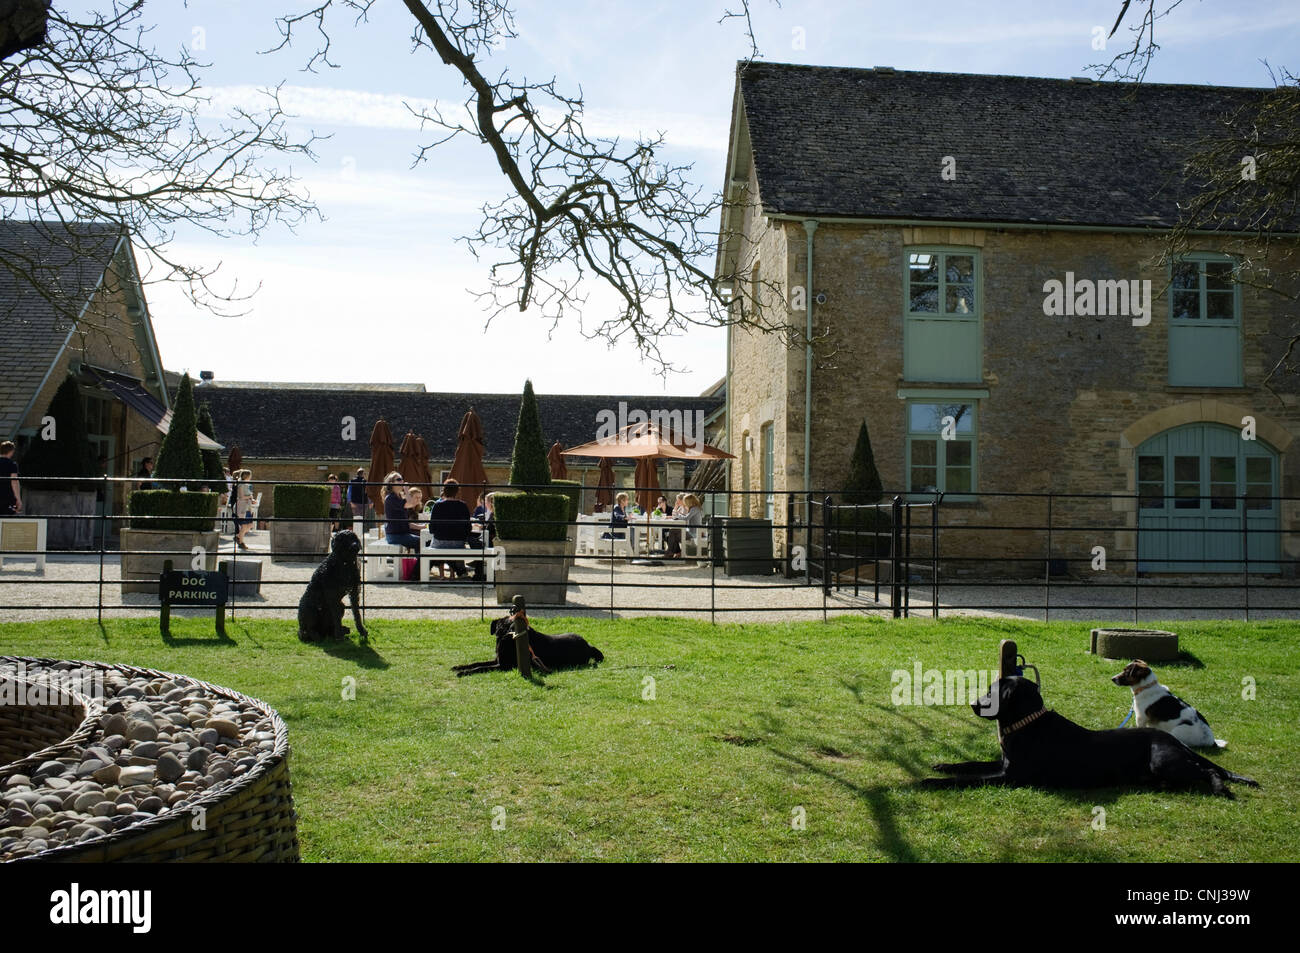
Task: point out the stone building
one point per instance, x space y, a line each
290 432
71 302
978 260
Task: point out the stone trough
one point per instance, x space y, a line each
1150 645
115 763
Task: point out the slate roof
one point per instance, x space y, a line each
67 262
280 422
868 143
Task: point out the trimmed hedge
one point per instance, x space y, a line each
193 512
301 502
531 516
69 454
573 490
528 463
861 532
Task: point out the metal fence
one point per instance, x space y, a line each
772 554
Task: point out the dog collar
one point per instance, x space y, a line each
1016 726
1139 691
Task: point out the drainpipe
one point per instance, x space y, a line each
810 228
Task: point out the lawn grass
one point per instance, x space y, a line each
748 724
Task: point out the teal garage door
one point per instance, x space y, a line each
1196 485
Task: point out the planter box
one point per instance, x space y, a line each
743 546
68 532
305 541
140 570
536 570
245 575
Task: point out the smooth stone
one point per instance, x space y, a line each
169 767
88 768
86 801
115 707
141 774
197 758
51 801
108 774
209 737
56 783
176 797
42 810
136 761
99 823
115 724
104 809
34 833
145 749
124 809
19 818
114 743
224 727
18 781
151 805
142 731
126 797
46 769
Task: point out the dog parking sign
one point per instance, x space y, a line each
192 587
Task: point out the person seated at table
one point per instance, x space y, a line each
679 507
449 524
617 519
397 528
414 505
484 517
694 520
661 507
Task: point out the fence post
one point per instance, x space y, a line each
713 573
1047 589
1245 552
1137 558
807 538
934 554
857 557
103 542
826 552
907 567
895 555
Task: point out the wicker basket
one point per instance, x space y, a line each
33 734
248 818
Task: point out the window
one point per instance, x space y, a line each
941 445
769 459
1204 323
942 307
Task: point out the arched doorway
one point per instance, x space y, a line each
1205 496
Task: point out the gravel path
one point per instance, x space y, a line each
71 588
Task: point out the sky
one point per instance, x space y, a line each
381 291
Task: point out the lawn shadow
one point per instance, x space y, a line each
1185 660
217 640
363 655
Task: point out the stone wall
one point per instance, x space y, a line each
1063 392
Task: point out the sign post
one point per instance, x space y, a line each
195 587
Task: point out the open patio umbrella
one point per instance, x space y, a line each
645 440
605 483
467 466
381 462
647 482
556 459
414 470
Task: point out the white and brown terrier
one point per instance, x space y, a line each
1155 706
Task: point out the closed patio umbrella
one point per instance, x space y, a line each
467 466
236 459
605 484
413 470
422 454
647 482
559 471
381 462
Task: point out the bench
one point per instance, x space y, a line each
493 557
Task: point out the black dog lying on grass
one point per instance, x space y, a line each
567 650
320 610
1043 749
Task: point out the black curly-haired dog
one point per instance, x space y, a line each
320 610
566 650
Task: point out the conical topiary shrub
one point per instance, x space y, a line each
212 471
863 483
528 464
179 457
68 452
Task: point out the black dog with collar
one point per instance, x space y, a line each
1043 749
566 650
320 610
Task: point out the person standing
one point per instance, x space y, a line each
11 501
242 506
145 475
336 502
357 494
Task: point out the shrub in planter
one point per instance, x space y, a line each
179 457
214 476
301 529
573 490
860 533
185 512
186 522
531 516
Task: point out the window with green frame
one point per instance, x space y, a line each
768 447
1204 322
942 308
941 447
